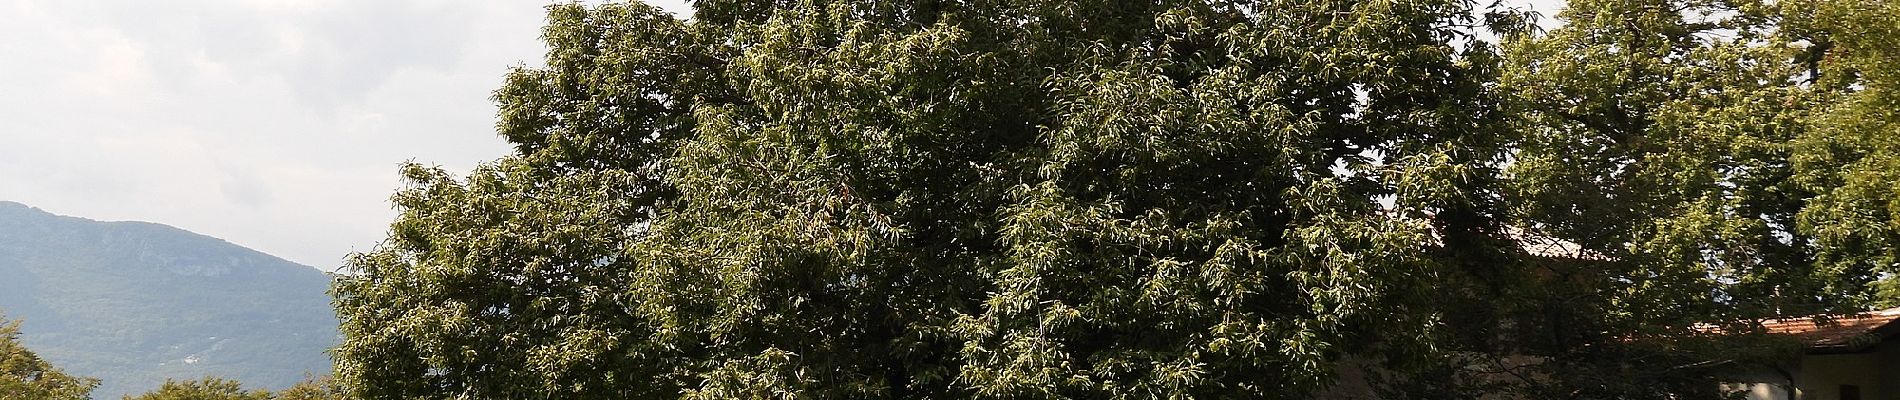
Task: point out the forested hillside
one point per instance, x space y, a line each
134 303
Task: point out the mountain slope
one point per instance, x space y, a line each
134 303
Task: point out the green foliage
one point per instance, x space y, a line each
1852 157
214 388
1710 158
1657 136
836 199
312 388
208 388
24 376
1111 199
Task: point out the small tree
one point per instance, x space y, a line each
312 388
25 376
208 388
1124 199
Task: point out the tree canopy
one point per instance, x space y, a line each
208 388
215 388
1675 143
1112 199
25 376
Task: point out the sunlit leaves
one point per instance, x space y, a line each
1697 147
26 376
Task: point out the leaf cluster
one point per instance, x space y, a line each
25 376
1111 199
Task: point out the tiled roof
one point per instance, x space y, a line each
1838 333
1552 247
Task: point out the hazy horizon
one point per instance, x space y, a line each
277 125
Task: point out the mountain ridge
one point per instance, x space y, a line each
134 303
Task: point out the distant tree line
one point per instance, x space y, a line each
214 388
25 376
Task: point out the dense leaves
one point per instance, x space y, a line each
1658 136
938 199
1111 199
1698 153
25 376
1851 158
209 388
312 388
215 388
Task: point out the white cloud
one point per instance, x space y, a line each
118 65
275 124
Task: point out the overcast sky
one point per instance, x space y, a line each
274 124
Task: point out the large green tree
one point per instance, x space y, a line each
1113 199
1851 160
25 376
1692 162
946 199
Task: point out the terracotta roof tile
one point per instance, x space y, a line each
1842 332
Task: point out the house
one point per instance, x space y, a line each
1853 357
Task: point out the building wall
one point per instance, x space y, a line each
1763 383
1820 376
1888 353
